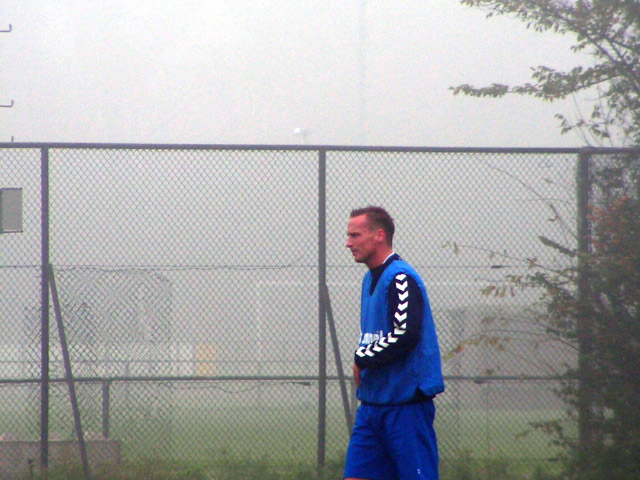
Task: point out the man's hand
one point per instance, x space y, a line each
356 374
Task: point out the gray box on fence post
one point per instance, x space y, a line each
10 210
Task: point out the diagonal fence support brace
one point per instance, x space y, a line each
336 353
69 374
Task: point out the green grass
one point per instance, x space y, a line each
141 470
226 467
229 467
465 467
495 434
272 437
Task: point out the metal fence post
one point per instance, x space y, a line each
322 328
44 309
354 401
106 406
585 320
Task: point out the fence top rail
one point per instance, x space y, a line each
326 148
479 379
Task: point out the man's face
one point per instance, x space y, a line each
362 240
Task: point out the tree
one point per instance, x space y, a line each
611 304
589 301
593 302
607 29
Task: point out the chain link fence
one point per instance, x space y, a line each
188 286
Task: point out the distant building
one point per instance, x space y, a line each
116 323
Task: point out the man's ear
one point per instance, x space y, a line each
381 236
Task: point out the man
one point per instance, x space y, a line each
397 364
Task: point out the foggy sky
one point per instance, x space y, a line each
251 72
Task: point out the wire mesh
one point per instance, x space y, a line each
188 282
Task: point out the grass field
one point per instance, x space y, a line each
270 434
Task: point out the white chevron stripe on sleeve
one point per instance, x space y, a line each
401 317
399 326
